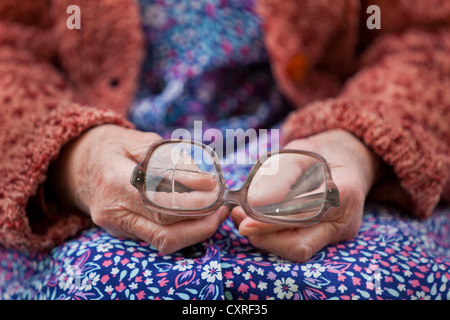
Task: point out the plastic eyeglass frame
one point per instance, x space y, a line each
237 197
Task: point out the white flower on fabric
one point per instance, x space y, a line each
104 247
115 271
229 284
212 272
65 281
282 267
315 270
183 265
247 275
147 273
90 281
156 16
70 277
109 289
251 268
262 285
420 295
133 286
285 288
342 288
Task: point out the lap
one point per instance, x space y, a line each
392 257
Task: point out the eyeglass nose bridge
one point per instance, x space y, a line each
233 198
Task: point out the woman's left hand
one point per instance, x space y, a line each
354 168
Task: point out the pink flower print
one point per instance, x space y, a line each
120 287
227 48
356 281
107 263
210 10
357 268
341 277
243 288
140 295
415 283
104 279
138 255
163 282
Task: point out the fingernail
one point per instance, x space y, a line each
247 231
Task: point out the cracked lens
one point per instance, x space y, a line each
181 176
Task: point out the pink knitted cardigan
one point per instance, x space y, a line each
56 83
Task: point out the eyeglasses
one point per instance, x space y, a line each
285 187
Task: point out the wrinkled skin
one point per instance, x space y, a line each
354 168
93 174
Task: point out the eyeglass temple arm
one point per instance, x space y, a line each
310 203
311 179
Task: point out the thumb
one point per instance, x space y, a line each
139 143
247 226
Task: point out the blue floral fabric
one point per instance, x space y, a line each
206 62
392 257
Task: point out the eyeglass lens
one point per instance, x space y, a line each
288 186
181 176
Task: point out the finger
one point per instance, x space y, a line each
185 200
116 193
296 244
190 176
168 239
272 175
195 178
173 163
237 215
248 226
139 144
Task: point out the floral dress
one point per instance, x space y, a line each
206 62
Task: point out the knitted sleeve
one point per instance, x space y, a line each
56 83
311 45
38 116
399 105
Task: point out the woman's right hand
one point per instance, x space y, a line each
93 173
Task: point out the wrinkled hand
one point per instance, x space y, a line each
354 168
94 175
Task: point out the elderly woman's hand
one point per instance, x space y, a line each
93 173
354 168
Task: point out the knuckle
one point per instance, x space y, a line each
301 252
154 136
353 229
164 219
163 241
98 217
